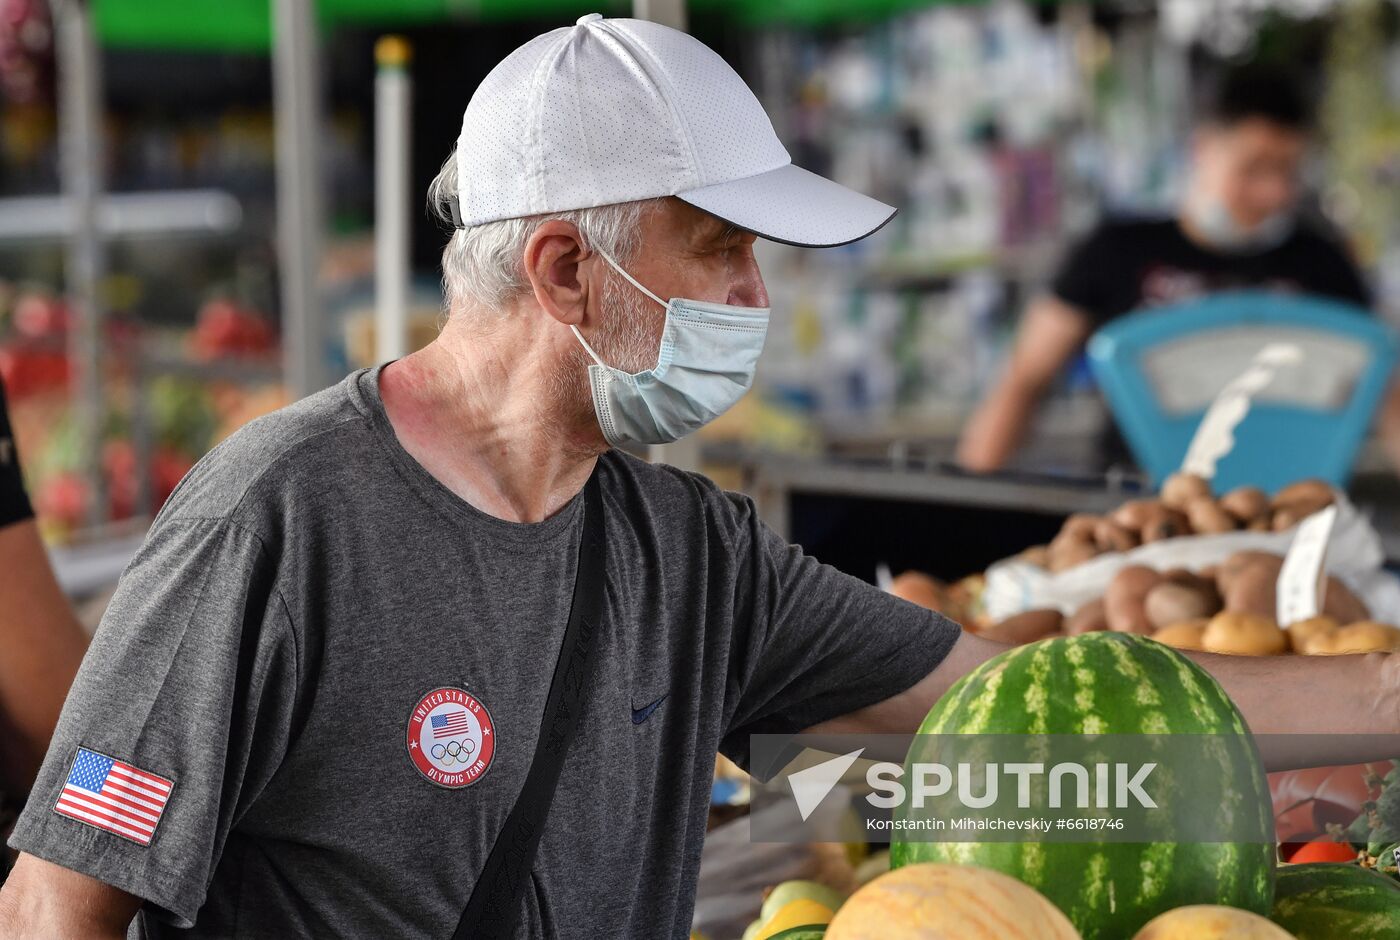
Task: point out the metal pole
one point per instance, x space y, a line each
297 101
666 12
392 115
684 453
80 114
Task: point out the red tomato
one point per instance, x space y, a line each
1324 850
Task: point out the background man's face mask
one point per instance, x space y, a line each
1213 221
706 363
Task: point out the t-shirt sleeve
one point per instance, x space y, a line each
178 717
813 643
1086 277
14 503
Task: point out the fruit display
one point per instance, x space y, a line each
1323 901
1185 506
960 601
1226 608
1113 683
185 416
948 902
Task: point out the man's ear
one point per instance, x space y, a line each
552 258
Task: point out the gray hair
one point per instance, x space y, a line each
481 263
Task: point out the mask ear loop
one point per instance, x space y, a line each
630 279
588 348
635 283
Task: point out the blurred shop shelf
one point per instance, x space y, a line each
123 215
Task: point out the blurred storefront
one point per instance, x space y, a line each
1001 129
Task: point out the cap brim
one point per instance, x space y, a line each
793 206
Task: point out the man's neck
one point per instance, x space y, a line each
473 409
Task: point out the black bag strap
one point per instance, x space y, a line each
495 905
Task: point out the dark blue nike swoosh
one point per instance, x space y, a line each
640 715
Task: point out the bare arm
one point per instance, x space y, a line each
1388 422
41 899
1341 709
43 645
1050 334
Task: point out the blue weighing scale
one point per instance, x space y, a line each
1160 369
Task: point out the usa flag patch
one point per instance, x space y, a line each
114 796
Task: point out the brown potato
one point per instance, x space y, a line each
1180 489
1207 518
1312 492
1365 636
1025 627
1186 576
1170 602
1253 591
1183 636
1124 600
1109 536
1339 603
1242 561
921 589
1302 633
1090 618
1243 634
1134 513
1038 555
1245 503
1286 517
1066 553
1165 524
1079 526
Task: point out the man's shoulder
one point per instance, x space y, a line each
672 496
282 451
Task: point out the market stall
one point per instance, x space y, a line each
180 258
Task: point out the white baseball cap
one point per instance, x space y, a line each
617 110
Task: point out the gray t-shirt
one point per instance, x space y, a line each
268 713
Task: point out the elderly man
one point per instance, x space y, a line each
363 643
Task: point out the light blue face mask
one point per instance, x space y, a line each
1213 222
706 363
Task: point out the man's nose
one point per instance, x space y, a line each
748 290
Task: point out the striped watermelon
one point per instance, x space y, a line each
1113 683
1333 901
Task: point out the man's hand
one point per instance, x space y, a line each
42 900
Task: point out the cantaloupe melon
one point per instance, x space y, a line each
936 901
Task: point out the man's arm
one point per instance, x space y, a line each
1388 422
41 645
1050 334
1345 708
41 899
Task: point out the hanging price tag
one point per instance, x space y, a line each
1302 581
1215 436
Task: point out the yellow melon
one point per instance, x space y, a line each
1210 922
800 913
936 901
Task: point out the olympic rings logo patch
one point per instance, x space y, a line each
451 739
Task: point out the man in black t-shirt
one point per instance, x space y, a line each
1236 229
